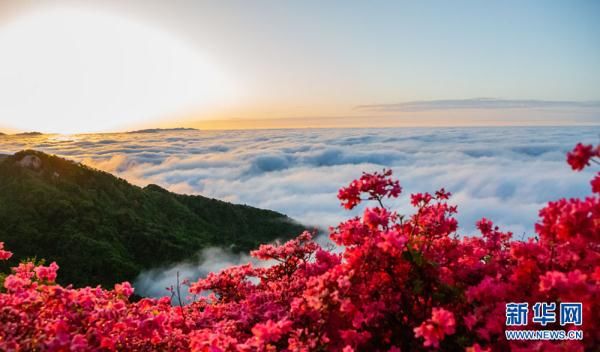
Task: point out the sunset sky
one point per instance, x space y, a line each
86 66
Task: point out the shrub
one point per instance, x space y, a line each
401 283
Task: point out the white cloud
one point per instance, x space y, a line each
155 282
480 103
505 174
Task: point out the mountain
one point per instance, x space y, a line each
29 134
158 130
101 230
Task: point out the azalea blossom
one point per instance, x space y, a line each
398 282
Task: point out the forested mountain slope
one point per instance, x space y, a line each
102 230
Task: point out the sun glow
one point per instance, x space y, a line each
67 70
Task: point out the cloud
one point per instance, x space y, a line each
155 282
479 103
504 173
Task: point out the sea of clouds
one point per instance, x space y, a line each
506 174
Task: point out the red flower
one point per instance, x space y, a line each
376 185
271 331
124 289
580 156
46 273
434 330
380 290
4 255
596 183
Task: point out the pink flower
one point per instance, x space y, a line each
417 199
580 156
271 331
79 343
444 319
108 343
376 217
350 196
4 255
16 283
434 330
596 183
124 289
392 242
477 348
485 226
46 273
376 185
303 297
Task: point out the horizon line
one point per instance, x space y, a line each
192 128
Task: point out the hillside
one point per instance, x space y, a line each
103 230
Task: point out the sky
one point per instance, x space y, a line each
91 66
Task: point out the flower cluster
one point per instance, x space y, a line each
581 155
376 185
434 330
397 283
4 255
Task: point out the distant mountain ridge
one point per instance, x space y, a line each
102 230
23 134
158 130
147 130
